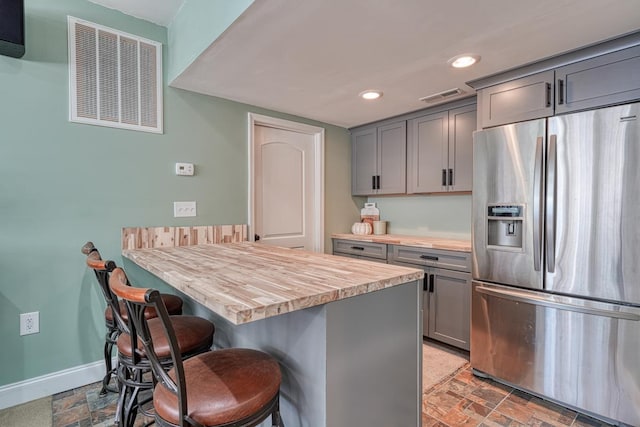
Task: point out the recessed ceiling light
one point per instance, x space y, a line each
370 94
465 60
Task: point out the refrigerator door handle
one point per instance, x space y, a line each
537 205
547 301
551 205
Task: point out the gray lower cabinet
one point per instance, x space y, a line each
379 160
362 250
448 299
440 151
447 291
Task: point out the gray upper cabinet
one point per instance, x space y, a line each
462 123
571 82
379 160
605 80
440 151
518 100
428 140
364 168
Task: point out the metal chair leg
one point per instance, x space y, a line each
132 383
108 346
276 419
109 342
119 418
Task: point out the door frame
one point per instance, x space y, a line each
318 147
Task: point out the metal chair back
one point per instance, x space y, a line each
138 300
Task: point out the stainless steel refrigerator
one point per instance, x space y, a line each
556 259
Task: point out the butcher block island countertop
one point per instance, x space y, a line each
417 241
244 282
321 316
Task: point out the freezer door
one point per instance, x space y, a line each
581 353
508 185
593 226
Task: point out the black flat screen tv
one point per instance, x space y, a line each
12 28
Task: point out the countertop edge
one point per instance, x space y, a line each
457 245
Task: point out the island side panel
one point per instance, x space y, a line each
298 341
374 358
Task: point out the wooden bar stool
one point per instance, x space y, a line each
194 335
231 387
102 269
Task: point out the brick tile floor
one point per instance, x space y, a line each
466 400
459 400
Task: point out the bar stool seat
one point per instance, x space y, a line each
224 386
194 334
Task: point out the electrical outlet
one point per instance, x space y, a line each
30 323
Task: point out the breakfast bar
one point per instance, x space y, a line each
347 333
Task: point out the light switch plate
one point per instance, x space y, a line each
185 169
181 209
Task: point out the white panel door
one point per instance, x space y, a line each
284 187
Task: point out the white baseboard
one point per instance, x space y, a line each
46 385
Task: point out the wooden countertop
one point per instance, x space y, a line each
417 241
243 282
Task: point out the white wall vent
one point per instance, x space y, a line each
115 78
440 96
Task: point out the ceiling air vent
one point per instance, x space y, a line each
115 78
442 95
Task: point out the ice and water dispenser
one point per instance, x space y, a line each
505 226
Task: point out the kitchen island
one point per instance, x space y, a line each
347 333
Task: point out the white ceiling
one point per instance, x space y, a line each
312 58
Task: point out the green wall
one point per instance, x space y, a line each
62 184
196 25
420 215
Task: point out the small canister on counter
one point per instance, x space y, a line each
379 227
370 213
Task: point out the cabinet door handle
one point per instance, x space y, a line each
548 94
377 182
429 257
373 182
425 286
357 248
560 91
450 176
432 278
444 177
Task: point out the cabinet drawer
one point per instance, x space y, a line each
451 260
362 249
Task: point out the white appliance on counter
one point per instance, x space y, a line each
556 259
